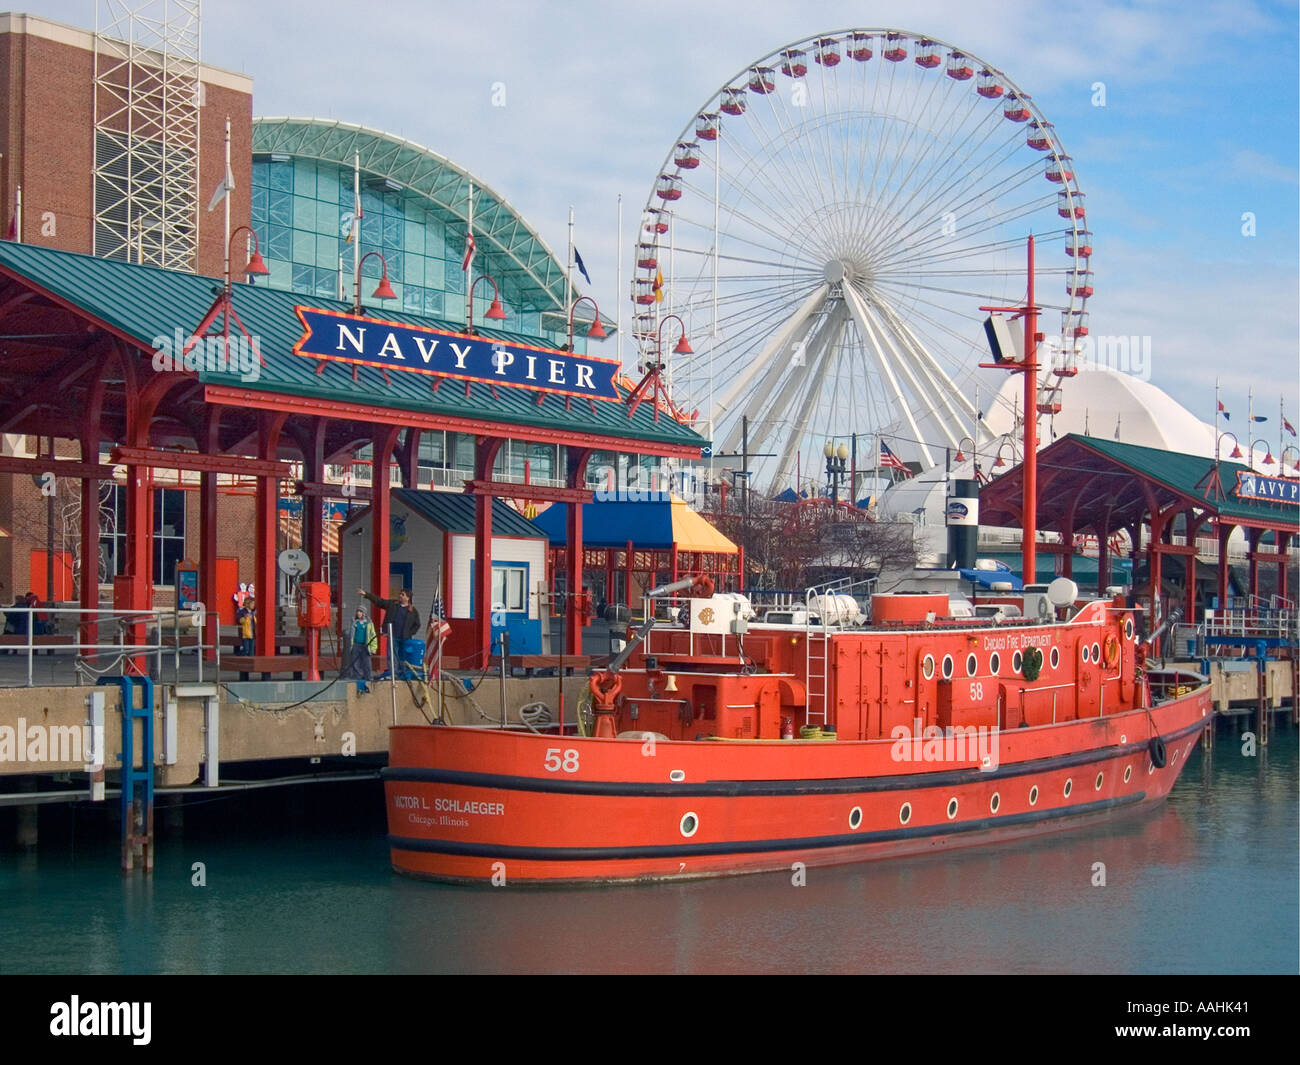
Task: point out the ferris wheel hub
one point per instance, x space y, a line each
836 271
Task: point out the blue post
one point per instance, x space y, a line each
137 807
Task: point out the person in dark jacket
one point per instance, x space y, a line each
401 617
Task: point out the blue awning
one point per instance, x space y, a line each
988 577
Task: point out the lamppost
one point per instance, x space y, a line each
384 291
652 383
997 460
836 467
1268 451
961 455
597 331
255 264
1236 448
495 312
1281 459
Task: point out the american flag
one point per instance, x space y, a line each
890 461
1288 426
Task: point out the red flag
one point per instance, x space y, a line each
1223 411
1288 426
469 251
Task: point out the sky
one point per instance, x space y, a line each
1195 147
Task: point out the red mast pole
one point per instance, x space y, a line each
1029 501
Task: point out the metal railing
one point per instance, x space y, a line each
164 644
1257 622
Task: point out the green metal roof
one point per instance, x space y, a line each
1189 476
148 304
454 512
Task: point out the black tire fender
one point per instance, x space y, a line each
1156 749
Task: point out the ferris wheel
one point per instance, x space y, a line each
827 227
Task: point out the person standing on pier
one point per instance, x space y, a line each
365 642
246 618
403 621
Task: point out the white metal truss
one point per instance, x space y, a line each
146 149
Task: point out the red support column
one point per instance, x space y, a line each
740 568
1283 541
484 459
1225 531
313 521
627 574
268 526
672 562
1189 568
209 444
1153 565
573 620
1252 547
573 614
381 510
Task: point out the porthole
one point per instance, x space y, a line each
927 667
1069 786
952 808
947 667
1096 654
855 817
1128 628
1096 784
994 802
690 823
1128 773
972 665
677 776
905 813
1084 653
1033 795
1055 657
1017 660
995 663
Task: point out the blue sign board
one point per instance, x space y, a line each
393 346
1269 489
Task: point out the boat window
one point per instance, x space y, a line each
927 666
995 663
947 667
1056 657
905 813
1017 660
972 665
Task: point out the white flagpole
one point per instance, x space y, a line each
1216 419
468 261
18 216
618 284
225 178
356 230
568 273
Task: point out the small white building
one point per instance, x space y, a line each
431 552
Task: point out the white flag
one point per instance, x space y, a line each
226 187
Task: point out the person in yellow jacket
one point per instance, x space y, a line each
365 642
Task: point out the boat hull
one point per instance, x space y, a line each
509 808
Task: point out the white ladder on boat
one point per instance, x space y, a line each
816 648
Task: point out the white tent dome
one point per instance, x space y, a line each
1102 402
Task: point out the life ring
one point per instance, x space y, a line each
1110 651
1156 749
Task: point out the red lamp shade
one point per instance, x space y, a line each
1268 457
959 457
597 331
1236 452
998 461
256 265
385 291
495 312
683 348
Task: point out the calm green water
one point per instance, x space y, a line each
1207 882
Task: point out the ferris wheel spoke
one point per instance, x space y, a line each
970 195
862 317
777 342
808 405
952 398
765 418
940 169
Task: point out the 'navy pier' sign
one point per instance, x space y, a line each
374 342
1273 489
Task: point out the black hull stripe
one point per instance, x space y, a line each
830 786
756 846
